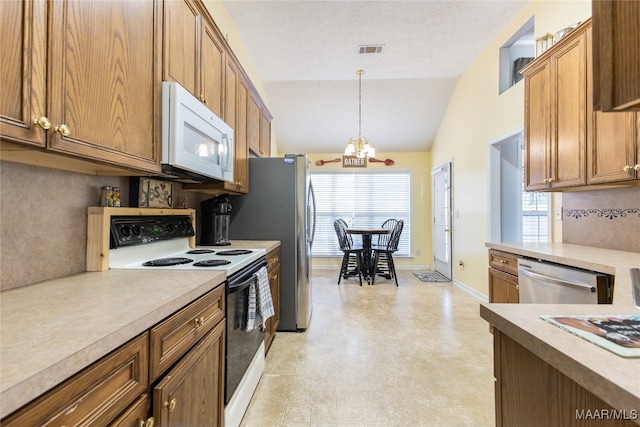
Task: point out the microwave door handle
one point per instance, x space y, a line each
554 280
227 147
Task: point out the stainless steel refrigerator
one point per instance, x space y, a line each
280 205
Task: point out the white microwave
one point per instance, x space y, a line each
197 145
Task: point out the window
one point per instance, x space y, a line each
363 199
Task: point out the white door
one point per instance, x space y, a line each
441 178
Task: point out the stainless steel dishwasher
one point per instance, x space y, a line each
547 283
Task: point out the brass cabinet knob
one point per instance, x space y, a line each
62 130
149 422
171 405
199 321
42 122
627 168
503 261
546 180
551 180
637 167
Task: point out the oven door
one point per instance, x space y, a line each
241 345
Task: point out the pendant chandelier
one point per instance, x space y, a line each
360 146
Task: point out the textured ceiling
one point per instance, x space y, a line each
306 53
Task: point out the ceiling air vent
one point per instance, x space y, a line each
370 48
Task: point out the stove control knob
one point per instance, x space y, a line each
170 228
136 230
125 231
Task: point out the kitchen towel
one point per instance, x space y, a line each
260 304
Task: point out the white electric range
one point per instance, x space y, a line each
162 243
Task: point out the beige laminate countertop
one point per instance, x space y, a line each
53 329
614 379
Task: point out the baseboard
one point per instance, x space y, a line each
472 291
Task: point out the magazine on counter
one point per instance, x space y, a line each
619 334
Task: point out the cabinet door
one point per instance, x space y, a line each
212 69
105 82
503 287
182 23
191 394
274 284
616 54
253 124
265 134
612 150
569 114
235 102
537 126
23 33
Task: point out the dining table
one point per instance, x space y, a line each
367 236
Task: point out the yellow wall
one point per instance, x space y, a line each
420 166
476 115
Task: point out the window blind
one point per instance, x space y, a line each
362 199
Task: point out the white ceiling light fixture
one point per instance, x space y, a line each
360 147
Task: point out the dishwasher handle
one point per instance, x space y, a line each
554 280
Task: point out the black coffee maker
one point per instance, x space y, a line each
215 221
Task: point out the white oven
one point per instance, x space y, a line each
197 145
161 242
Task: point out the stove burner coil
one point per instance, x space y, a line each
165 262
200 251
234 252
212 263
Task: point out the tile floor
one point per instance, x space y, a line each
416 355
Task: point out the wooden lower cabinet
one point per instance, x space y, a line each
273 271
136 416
503 277
192 392
95 396
185 351
530 392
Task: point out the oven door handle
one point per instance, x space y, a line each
237 288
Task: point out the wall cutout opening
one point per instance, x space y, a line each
516 53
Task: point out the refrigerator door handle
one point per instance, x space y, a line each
312 197
555 280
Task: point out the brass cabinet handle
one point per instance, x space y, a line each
627 168
199 321
551 180
42 122
62 130
637 167
274 277
148 423
171 405
503 261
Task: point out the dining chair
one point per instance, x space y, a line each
383 256
352 257
383 239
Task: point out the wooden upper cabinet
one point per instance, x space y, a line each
182 24
556 115
194 54
238 122
616 57
265 133
23 71
98 98
253 124
212 69
537 126
104 94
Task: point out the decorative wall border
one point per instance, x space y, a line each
603 213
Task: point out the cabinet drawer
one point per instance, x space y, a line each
96 395
273 258
503 261
179 332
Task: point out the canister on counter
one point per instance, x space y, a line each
106 196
